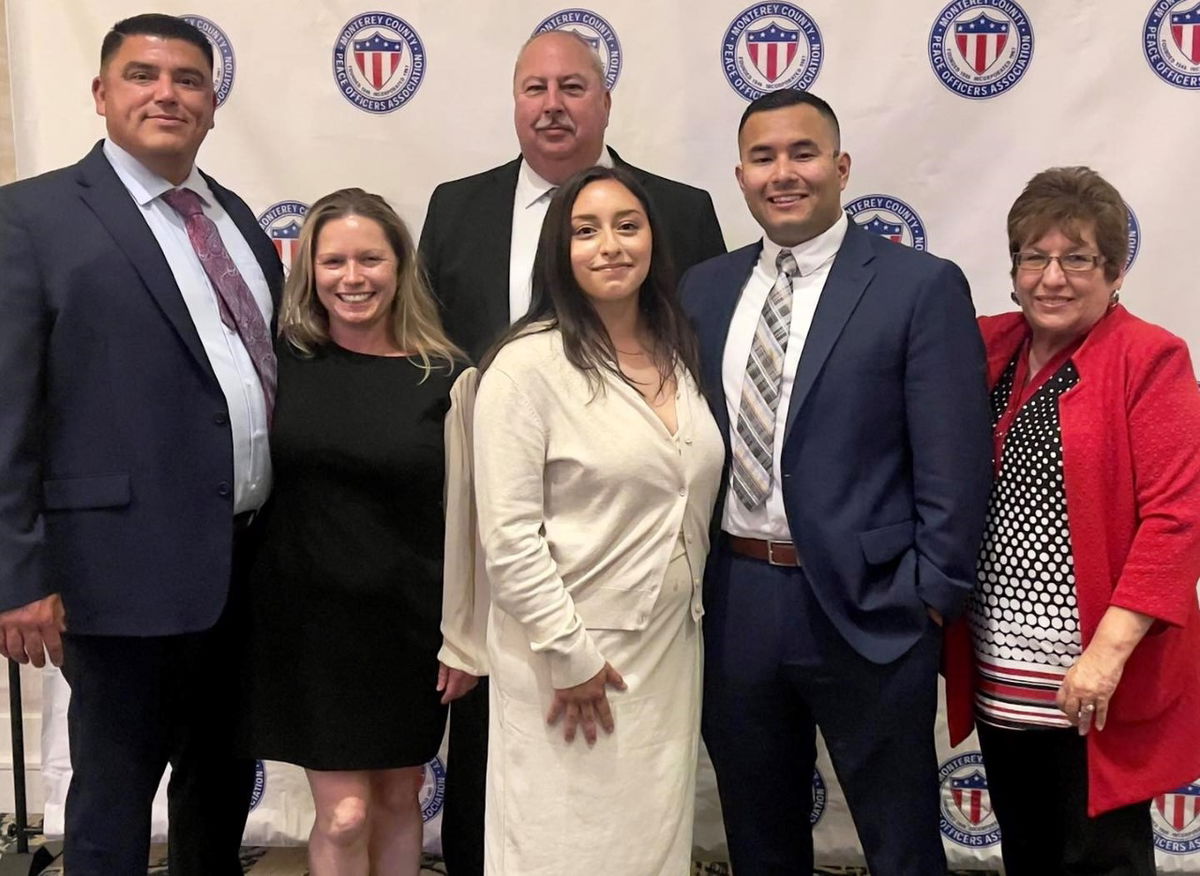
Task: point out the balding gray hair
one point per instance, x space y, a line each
595 62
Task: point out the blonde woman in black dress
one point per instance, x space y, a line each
347 588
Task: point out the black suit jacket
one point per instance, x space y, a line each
116 461
467 240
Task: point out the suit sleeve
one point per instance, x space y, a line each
949 430
710 241
509 469
23 329
428 247
1160 571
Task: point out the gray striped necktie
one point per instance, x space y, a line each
754 439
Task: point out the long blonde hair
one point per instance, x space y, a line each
415 325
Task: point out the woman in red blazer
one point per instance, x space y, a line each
1078 659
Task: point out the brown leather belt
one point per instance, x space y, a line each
777 553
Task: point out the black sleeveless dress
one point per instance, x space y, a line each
347 585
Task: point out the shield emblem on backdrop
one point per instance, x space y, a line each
971 797
890 230
772 49
981 41
1185 30
593 41
1180 808
285 239
378 58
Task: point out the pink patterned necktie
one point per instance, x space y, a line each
239 311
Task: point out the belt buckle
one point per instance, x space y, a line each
771 553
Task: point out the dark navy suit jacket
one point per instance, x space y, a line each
886 461
116 460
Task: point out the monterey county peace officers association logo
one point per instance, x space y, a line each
281 222
888 217
770 46
1171 41
223 62
378 62
596 31
1135 238
1176 819
260 784
967 817
980 48
819 798
433 790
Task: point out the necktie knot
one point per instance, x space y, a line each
785 263
185 202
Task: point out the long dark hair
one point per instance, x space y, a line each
559 303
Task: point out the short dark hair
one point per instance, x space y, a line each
1070 199
786 97
155 24
558 300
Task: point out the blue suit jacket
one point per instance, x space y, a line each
116 461
887 452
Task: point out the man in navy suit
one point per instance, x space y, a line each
847 375
137 294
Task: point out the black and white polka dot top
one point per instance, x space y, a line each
1024 618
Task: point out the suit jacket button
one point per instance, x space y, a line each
220 418
223 489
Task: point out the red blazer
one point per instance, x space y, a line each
1131 469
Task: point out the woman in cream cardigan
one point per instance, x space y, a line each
597 466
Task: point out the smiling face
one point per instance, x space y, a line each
560 105
1059 305
791 172
611 242
156 96
355 270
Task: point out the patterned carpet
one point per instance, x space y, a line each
291 861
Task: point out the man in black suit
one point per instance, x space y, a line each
478 244
138 380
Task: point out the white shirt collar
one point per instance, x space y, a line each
813 253
143 184
531 187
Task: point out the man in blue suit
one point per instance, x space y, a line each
138 379
847 375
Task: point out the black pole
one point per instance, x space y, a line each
18 753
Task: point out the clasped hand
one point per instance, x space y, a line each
585 704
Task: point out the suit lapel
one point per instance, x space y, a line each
734 271
107 197
491 254
848 279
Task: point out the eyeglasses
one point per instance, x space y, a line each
1072 263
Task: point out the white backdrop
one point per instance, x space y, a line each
946 109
